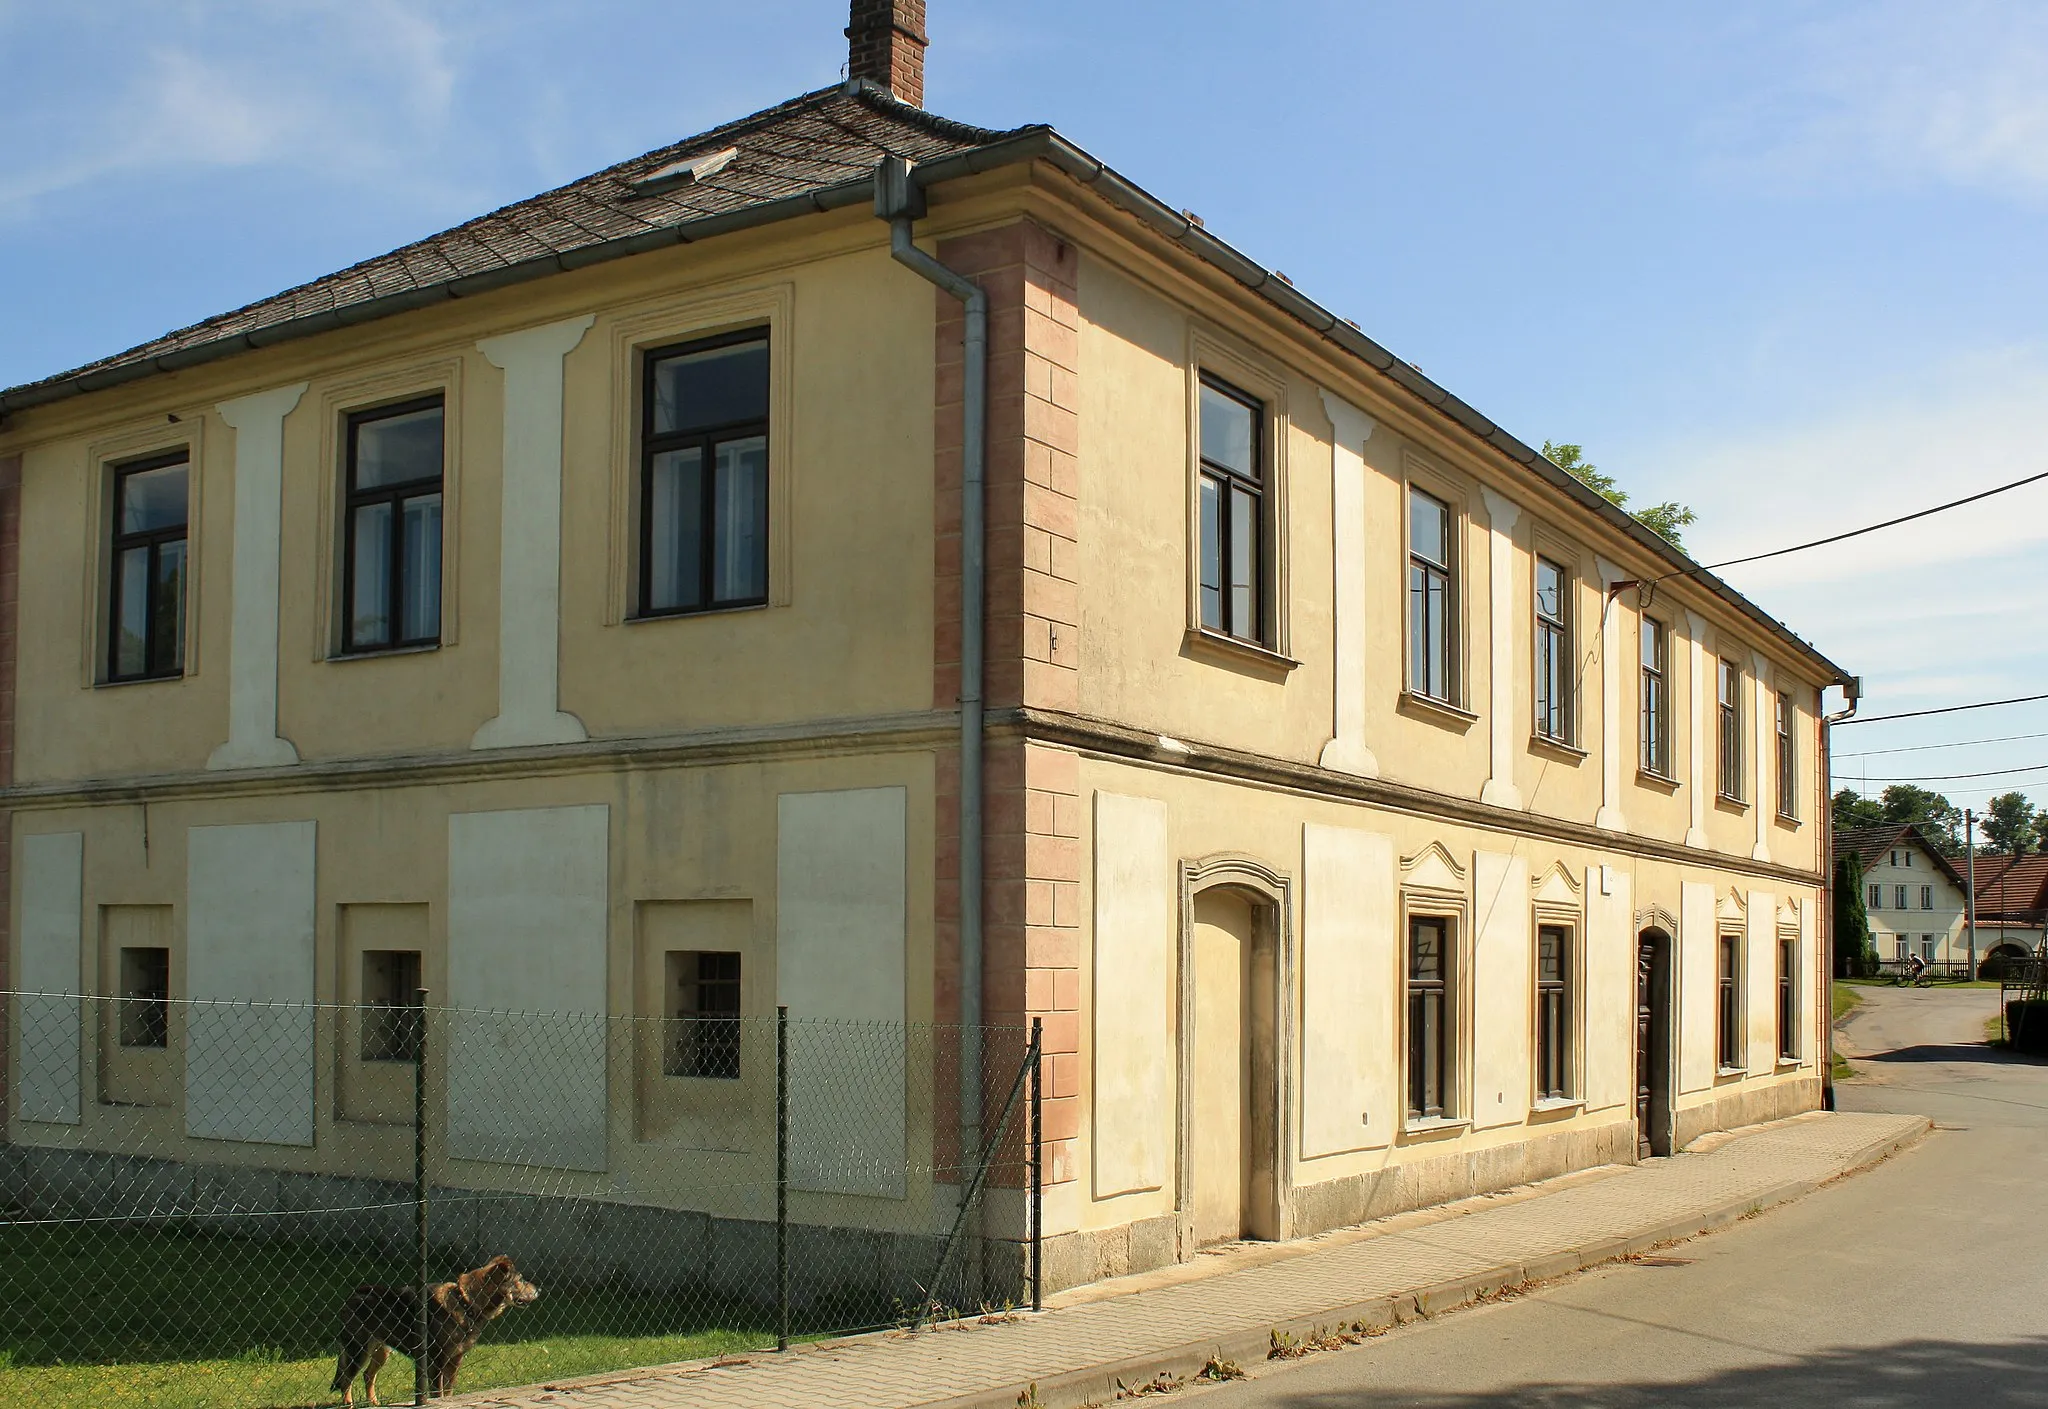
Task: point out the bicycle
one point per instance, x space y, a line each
1906 978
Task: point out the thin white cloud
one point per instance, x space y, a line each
1881 94
338 86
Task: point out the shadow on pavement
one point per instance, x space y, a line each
1965 1052
1919 1372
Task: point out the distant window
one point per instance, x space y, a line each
391 1005
1730 698
1728 1008
1905 943
704 475
1432 599
145 997
392 584
703 1015
1899 897
1656 700
1553 1011
1927 897
1233 493
1788 761
1430 1016
1876 896
1788 1003
1927 947
146 590
1895 858
1553 651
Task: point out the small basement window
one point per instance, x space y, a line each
703 1011
391 1005
145 997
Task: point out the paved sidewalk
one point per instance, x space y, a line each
1393 1271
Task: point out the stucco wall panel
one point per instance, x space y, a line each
1610 988
249 923
1134 996
528 907
1760 968
1503 984
840 941
1349 916
47 1019
1696 986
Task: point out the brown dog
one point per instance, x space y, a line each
377 1320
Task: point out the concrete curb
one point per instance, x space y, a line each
1098 1383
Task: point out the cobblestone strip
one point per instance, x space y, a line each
1076 1354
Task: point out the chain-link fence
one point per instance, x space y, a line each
231 1204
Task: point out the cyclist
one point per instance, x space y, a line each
1916 968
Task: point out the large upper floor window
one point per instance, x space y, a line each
146 593
1875 900
1553 652
1788 760
704 475
392 573
1432 599
1233 494
1729 695
1927 897
1656 698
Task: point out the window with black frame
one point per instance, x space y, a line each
391 588
703 1014
1729 695
1432 603
1553 1012
1553 652
1728 1011
1430 1016
704 475
1788 761
146 588
1233 492
145 997
1788 1007
1656 699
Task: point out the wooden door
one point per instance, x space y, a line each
1220 1108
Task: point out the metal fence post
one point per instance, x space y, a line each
421 1388
782 1177
1037 1164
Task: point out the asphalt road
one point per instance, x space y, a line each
1923 1281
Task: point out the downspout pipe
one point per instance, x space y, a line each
900 201
1852 691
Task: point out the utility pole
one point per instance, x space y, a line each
1970 896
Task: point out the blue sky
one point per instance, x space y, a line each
1779 260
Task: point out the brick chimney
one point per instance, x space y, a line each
885 43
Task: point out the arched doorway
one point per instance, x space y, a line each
1653 1044
1233 1012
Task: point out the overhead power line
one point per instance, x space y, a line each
1947 777
1954 744
1945 709
1872 528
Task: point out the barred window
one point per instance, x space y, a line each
1553 1012
1431 1016
391 1005
145 997
703 1014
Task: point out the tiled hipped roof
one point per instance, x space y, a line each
1869 843
2012 887
823 140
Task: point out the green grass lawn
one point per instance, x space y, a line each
97 1318
1843 998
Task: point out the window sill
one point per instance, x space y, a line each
137 680
1248 656
1557 749
1730 804
1437 712
1790 1064
1557 1106
425 648
1646 779
694 613
1434 1127
1730 1073
1788 821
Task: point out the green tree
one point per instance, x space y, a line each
1907 805
1667 520
1853 810
1855 954
2009 823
